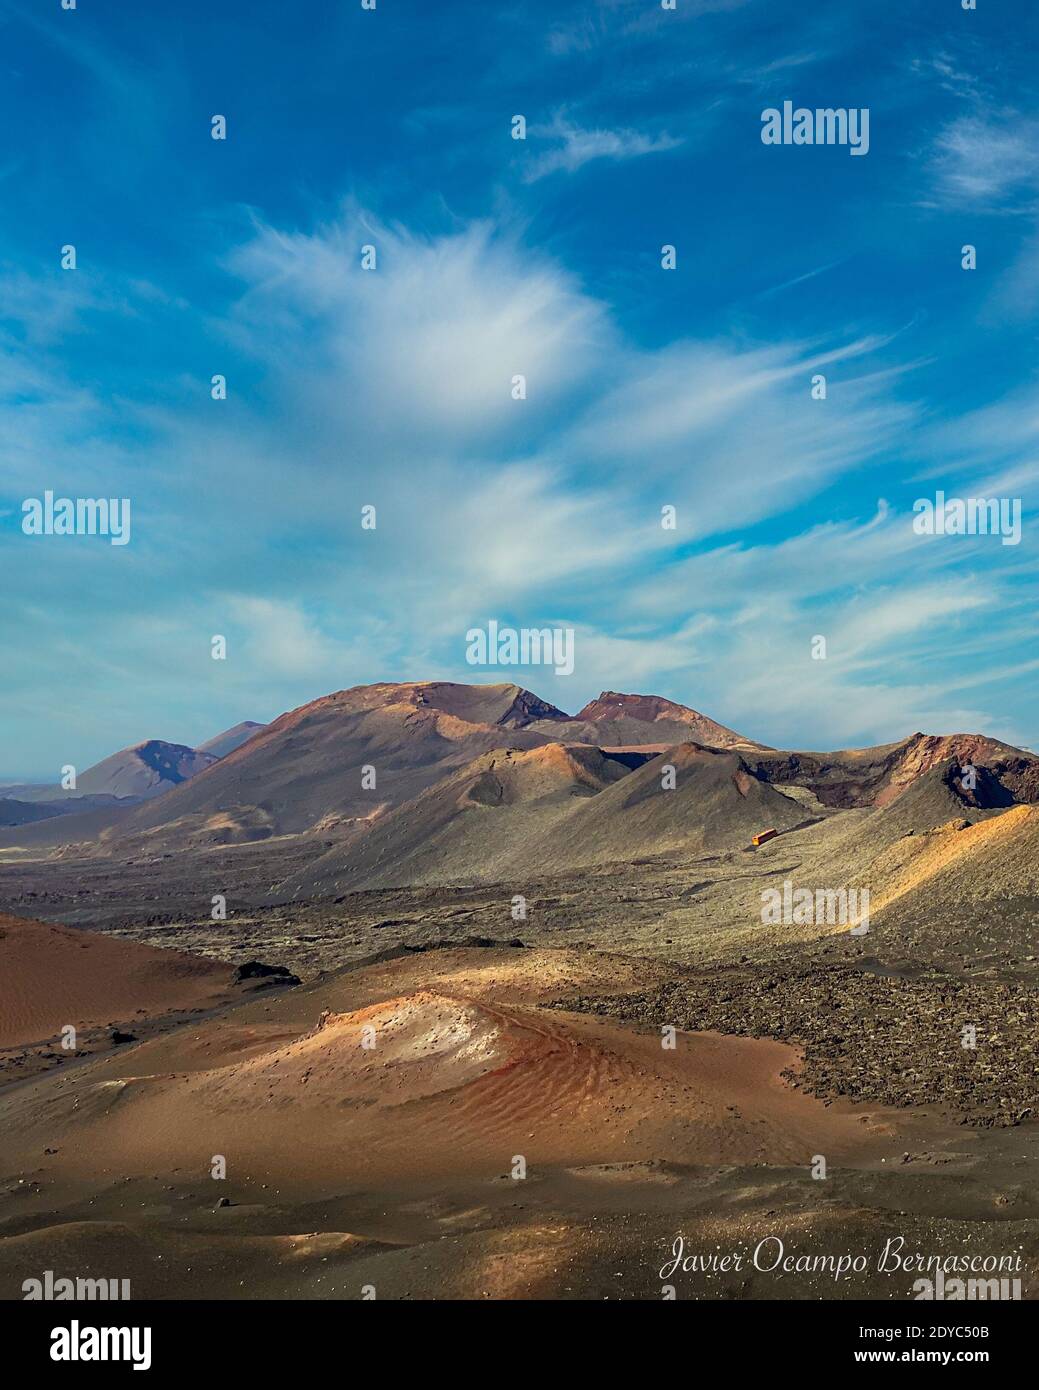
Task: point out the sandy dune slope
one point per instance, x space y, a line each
391 1166
960 862
433 1081
52 975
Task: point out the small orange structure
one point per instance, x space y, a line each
763 835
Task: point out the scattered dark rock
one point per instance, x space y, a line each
270 975
889 1039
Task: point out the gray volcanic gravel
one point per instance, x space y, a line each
868 1037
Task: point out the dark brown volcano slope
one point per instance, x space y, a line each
878 776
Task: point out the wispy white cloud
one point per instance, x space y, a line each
978 161
392 387
696 416
949 74
798 279
425 346
903 616
573 146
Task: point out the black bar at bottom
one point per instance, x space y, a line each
308 1337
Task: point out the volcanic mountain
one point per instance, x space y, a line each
614 720
320 761
878 776
432 781
146 770
137 773
519 814
956 881
466 824
308 767
995 858
142 771
940 795
221 744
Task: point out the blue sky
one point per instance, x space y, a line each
646 387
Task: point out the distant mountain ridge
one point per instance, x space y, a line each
138 773
146 770
221 744
620 720
307 765
415 780
142 771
